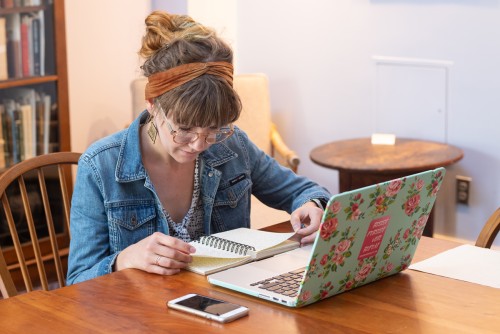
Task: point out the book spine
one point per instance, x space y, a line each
3 49
224 244
8 3
13 27
3 163
35 25
25 46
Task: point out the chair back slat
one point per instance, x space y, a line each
33 236
64 193
7 287
16 243
50 227
36 255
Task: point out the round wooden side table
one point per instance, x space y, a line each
360 163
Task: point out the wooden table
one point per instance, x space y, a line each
132 301
360 163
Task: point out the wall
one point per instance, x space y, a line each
103 37
319 56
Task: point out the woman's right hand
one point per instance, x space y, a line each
158 253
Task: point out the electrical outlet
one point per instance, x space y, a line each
463 189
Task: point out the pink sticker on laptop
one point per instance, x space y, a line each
374 237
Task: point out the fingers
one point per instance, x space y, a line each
308 239
171 247
305 221
158 253
165 266
169 253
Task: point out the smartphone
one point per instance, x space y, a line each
208 307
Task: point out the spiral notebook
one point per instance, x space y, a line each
232 248
365 235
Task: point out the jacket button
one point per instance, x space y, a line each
210 174
134 220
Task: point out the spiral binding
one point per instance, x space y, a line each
224 244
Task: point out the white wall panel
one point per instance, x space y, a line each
411 98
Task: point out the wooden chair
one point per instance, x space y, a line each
255 120
37 190
489 231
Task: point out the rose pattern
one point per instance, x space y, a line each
364 269
414 232
393 188
353 209
413 198
435 184
393 244
335 207
382 198
328 229
335 261
336 256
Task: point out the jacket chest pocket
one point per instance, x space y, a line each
130 223
232 194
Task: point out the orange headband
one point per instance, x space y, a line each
162 82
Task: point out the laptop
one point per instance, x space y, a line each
365 235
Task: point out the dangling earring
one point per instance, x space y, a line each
152 130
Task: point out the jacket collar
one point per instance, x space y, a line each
129 166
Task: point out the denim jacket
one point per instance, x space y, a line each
114 203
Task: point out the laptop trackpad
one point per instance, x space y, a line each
287 261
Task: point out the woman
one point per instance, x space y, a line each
181 170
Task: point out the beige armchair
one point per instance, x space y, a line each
255 120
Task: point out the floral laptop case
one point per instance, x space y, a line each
368 233
365 235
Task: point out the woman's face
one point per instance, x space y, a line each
182 143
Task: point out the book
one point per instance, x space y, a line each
27 96
12 146
232 248
4 74
35 47
3 163
26 46
47 113
47 40
13 28
26 113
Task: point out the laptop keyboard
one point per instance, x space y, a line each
285 284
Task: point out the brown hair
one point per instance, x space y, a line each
172 40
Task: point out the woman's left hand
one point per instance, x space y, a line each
305 221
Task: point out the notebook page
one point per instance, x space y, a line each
206 265
203 250
255 238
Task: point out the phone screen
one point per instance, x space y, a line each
209 305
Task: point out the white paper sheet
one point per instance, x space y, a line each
466 263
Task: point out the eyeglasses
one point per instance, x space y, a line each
186 137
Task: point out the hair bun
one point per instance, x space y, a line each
163 29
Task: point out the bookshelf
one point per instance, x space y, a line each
34 72
39 79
